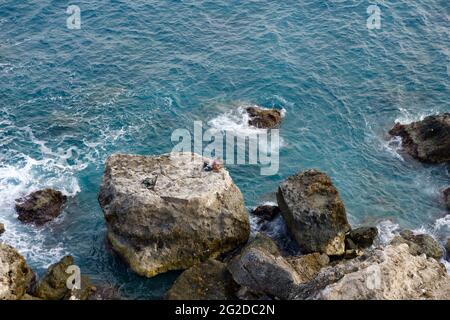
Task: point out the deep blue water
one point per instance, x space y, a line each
137 70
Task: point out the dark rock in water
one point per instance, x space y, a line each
264 118
419 244
314 212
209 280
184 217
41 206
266 212
363 237
2 228
447 197
427 140
263 272
447 248
53 286
16 277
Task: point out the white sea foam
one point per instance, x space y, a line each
387 231
54 168
442 224
235 122
407 117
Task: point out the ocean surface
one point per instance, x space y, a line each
137 70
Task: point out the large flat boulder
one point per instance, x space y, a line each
166 212
427 140
314 212
16 277
389 273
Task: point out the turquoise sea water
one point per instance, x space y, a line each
137 70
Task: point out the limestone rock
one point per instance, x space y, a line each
40 206
363 237
314 212
53 285
447 248
264 118
391 273
209 280
266 212
427 140
419 244
2 228
16 277
184 217
262 271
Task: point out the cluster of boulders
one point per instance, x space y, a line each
19 282
196 220
169 212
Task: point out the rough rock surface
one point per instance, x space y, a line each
363 237
419 244
181 216
447 248
53 285
16 277
447 197
209 280
262 270
264 118
2 228
266 212
40 206
314 212
427 140
389 273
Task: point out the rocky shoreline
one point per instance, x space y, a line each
168 212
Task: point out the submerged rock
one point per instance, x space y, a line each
427 140
187 216
390 273
53 286
419 244
266 212
209 280
314 212
263 272
264 118
2 228
40 206
16 277
447 197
